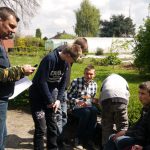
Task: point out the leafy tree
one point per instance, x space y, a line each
25 8
45 38
38 33
142 48
87 18
118 26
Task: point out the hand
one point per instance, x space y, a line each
81 104
56 105
137 147
95 100
28 69
121 133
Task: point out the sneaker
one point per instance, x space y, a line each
78 144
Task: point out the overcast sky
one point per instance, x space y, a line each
58 15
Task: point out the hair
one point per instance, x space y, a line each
5 12
89 67
74 50
82 42
145 86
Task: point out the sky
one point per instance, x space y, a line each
55 16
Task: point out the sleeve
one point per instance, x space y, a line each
95 89
43 71
72 93
11 74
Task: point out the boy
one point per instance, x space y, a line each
46 93
137 136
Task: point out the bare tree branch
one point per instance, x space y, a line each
25 9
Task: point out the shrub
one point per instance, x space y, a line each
99 51
142 46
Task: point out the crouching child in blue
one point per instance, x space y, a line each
49 78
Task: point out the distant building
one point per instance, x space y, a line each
8 44
120 45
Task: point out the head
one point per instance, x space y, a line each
8 22
144 93
72 53
82 42
89 73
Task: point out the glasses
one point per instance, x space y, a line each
74 60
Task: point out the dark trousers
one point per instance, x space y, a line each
44 120
87 121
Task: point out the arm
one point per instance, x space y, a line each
42 78
72 94
15 73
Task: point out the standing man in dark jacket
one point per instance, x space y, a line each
47 91
138 136
8 25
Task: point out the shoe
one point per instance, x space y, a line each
91 146
77 144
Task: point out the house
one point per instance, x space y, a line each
8 44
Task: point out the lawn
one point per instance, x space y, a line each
129 73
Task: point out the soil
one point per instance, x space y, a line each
20 129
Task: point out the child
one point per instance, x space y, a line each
138 136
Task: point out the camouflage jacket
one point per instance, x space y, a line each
11 74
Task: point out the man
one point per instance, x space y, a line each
137 137
47 91
114 98
81 95
8 25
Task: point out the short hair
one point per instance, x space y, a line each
82 42
74 50
89 67
145 86
5 12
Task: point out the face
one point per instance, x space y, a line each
89 75
144 97
69 59
8 27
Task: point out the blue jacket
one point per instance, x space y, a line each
51 74
7 88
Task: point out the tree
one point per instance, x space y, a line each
87 20
118 26
24 8
38 33
142 48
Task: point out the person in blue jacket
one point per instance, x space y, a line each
47 91
8 25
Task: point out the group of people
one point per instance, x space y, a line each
49 95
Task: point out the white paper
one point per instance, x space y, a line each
21 86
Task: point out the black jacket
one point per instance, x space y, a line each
141 130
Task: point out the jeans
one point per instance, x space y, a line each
41 116
3 129
120 143
87 121
62 117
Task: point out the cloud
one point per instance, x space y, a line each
58 15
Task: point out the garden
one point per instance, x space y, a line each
128 71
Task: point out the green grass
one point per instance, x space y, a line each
131 75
